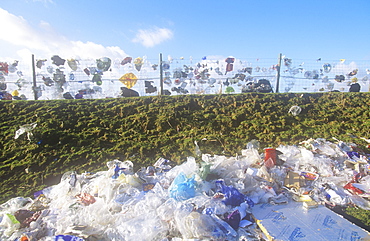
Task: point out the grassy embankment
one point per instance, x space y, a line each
82 135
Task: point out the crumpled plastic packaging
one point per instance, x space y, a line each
231 195
27 128
209 199
295 110
182 188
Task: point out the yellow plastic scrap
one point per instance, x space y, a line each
138 60
263 229
73 64
310 204
128 79
15 93
132 180
301 198
138 63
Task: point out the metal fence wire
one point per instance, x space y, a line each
61 78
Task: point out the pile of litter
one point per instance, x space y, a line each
220 198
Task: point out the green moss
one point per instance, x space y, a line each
360 214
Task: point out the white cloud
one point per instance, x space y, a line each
44 41
93 50
152 37
43 1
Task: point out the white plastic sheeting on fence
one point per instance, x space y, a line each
59 78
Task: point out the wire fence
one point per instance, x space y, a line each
59 78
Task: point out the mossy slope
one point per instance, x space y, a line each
82 135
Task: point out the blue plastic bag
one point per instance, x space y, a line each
182 188
117 171
67 238
231 195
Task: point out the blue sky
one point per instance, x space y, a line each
241 28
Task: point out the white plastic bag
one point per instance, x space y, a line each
27 128
295 110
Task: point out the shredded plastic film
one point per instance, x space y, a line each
208 200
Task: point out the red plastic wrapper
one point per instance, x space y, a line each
352 189
309 175
85 199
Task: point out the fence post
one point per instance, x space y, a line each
34 77
160 74
278 74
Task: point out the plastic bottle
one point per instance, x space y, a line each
334 197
